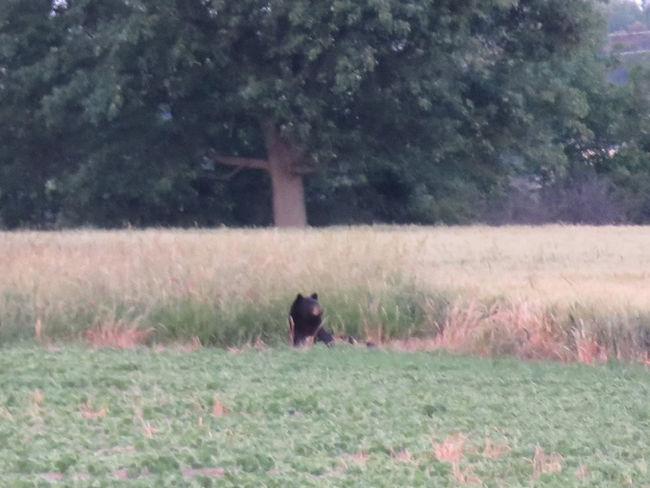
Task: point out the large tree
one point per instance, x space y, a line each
141 97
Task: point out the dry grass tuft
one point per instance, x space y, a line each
88 412
36 399
357 459
451 449
38 331
582 473
5 413
588 349
546 463
461 328
519 329
259 344
360 457
117 335
527 331
218 409
403 456
148 428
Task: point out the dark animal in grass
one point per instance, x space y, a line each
306 322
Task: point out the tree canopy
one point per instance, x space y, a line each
120 111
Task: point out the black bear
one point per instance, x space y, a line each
306 321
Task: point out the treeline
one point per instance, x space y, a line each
118 113
627 16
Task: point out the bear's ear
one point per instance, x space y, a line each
299 297
314 296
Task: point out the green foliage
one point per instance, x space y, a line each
630 166
116 108
323 417
397 310
622 14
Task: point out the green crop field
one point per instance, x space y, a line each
161 410
345 416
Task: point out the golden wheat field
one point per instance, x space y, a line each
609 266
121 276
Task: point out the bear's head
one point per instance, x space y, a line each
307 308
305 317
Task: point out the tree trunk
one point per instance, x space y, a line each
288 198
282 163
287 185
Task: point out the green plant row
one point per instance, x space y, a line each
321 417
400 311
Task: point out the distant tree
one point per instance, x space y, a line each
126 106
621 14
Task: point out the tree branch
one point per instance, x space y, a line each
303 170
240 162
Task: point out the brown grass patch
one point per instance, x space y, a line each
451 449
36 399
38 330
89 412
546 463
117 335
218 409
524 330
361 456
148 428
519 329
588 349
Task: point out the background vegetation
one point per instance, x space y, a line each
126 113
425 112
565 293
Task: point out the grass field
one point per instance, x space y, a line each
554 291
318 417
178 414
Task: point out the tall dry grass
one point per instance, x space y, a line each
553 283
